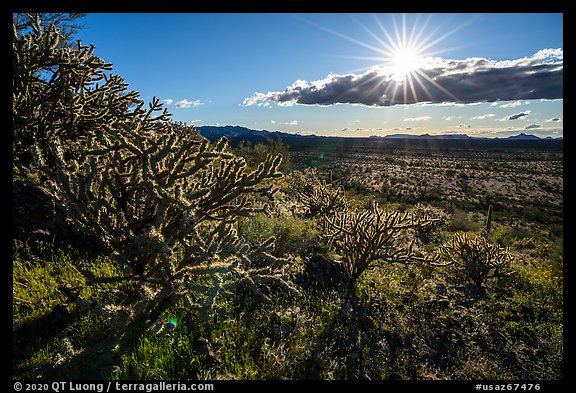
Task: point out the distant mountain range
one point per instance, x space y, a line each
427 136
237 133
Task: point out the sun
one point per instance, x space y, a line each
404 54
403 62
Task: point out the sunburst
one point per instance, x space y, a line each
403 56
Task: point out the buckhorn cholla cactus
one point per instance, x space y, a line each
323 198
426 232
475 258
65 92
366 238
162 200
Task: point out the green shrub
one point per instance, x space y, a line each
293 235
461 221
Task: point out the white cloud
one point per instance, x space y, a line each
511 104
188 104
482 117
421 118
516 116
557 53
292 123
168 101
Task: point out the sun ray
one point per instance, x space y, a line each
422 29
375 36
422 85
404 52
414 95
344 36
436 41
438 85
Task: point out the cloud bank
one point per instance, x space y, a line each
437 81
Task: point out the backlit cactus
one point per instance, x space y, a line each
323 199
367 238
475 259
437 217
163 201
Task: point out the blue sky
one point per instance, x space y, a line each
344 74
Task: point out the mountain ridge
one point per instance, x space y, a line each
237 133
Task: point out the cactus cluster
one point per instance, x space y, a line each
162 200
63 91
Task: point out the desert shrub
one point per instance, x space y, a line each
475 259
508 236
293 235
324 199
460 221
317 196
256 153
302 181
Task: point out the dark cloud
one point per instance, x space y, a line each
532 126
438 81
553 119
517 115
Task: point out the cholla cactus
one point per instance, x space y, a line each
366 238
475 258
303 181
324 199
162 200
437 217
63 91
316 196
